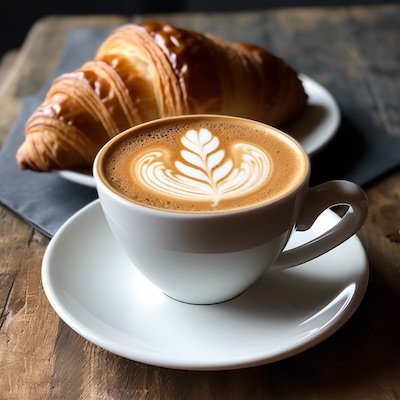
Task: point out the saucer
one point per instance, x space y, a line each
314 128
100 295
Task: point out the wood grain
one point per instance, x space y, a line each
42 358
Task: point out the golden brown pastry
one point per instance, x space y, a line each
154 70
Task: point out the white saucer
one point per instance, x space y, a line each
99 294
314 128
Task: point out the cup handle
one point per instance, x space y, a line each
317 200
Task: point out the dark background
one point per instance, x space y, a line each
18 16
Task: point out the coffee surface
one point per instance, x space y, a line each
203 165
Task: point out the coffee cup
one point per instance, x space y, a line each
204 205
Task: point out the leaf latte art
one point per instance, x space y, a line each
205 171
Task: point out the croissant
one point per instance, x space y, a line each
148 71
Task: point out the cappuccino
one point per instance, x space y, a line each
200 164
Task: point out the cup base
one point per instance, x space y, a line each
196 303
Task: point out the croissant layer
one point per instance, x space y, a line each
154 70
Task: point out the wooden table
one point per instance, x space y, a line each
42 358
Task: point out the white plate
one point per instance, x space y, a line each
318 123
99 294
314 128
82 177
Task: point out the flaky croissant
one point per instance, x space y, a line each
149 71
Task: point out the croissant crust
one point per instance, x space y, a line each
154 70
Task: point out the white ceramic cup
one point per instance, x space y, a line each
209 258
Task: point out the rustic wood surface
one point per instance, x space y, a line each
42 358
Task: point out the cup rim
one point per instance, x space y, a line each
100 178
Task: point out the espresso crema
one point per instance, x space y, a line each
203 165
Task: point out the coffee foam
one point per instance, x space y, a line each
154 167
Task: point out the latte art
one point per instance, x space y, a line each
202 164
205 172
